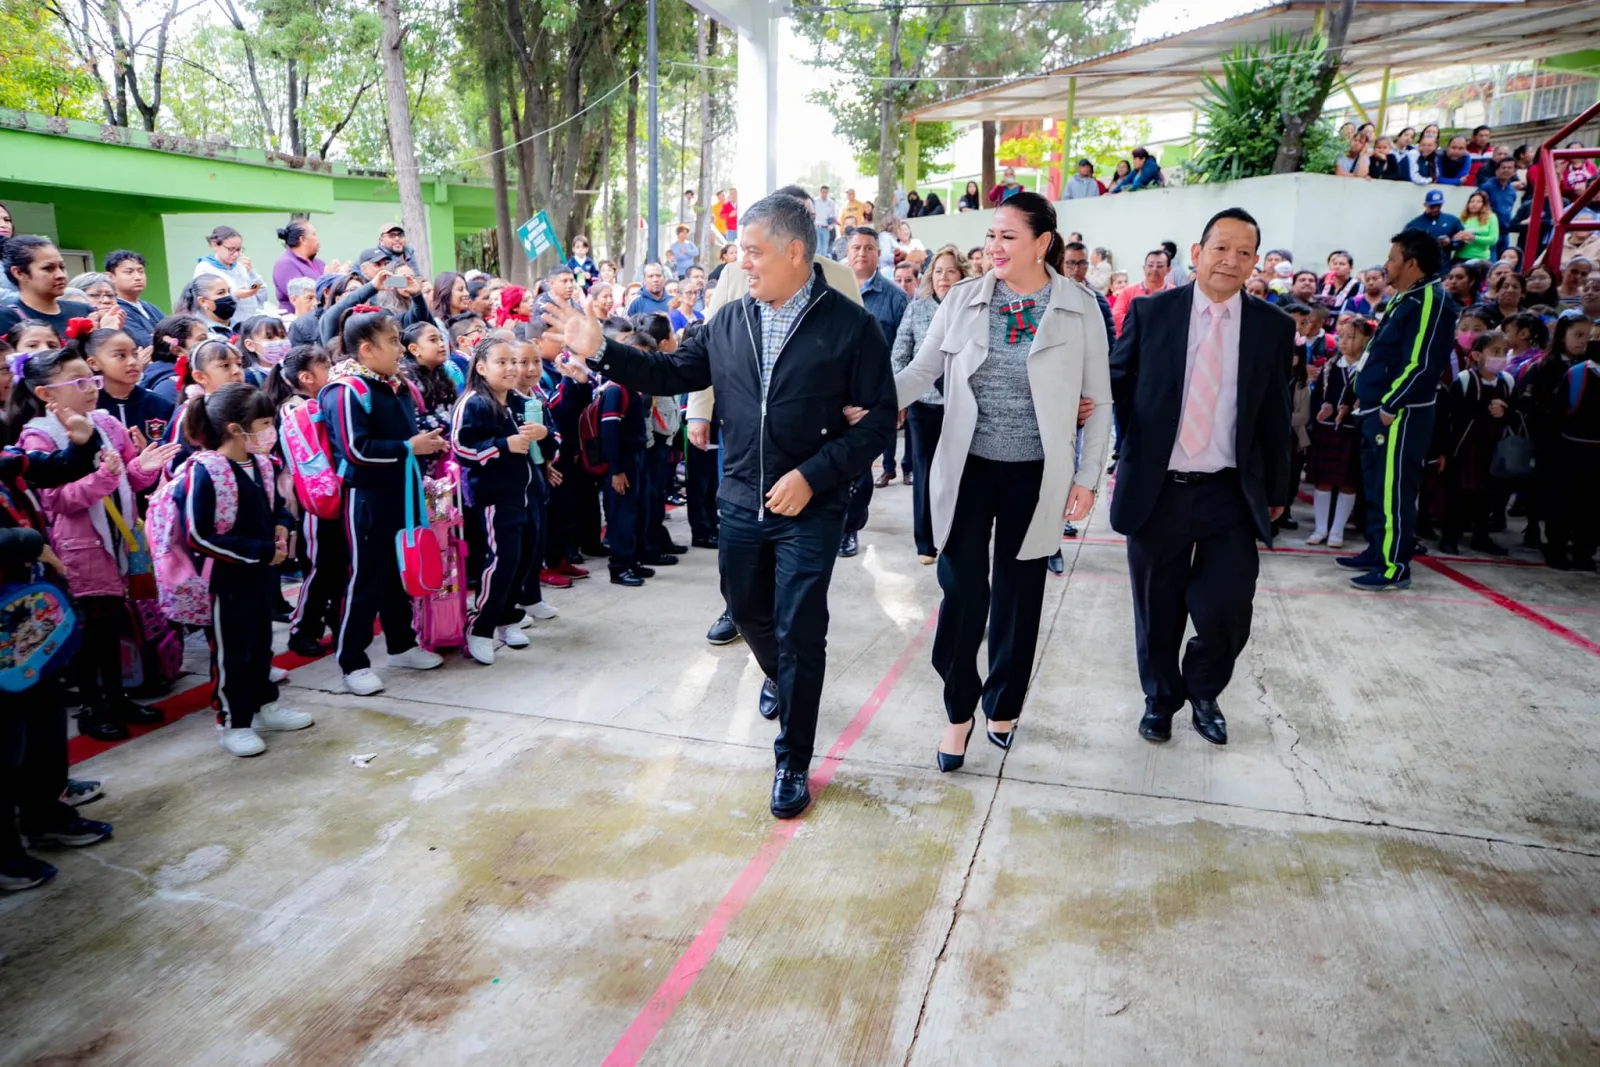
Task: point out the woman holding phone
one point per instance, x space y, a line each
228 261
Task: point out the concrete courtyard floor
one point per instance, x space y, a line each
567 858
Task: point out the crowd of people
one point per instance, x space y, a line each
170 473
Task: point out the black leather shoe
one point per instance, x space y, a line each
305 647
92 726
769 700
627 578
133 713
704 542
849 546
724 631
643 571
1001 740
948 762
595 551
1156 725
1208 721
1056 564
1286 523
672 548
661 559
791 793
1068 530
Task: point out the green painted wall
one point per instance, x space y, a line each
162 196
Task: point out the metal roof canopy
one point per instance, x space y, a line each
1403 36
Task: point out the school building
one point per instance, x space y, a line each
93 189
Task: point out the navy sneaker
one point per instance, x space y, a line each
1366 561
1374 580
24 872
75 834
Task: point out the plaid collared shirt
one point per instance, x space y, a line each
776 324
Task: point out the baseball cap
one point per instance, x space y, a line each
375 255
396 228
1434 197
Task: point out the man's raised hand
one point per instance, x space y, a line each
577 331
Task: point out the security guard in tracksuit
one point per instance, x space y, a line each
1396 402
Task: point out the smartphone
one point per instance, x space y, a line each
396 281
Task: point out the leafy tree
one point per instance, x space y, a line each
1101 141
1243 114
38 71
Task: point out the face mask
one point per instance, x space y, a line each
1465 338
260 444
1494 364
272 352
224 307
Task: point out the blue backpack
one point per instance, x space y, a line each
38 634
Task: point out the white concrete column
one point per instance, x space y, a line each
755 161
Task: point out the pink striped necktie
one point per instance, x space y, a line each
1205 385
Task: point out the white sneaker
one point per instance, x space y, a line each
275 716
513 637
417 658
481 649
541 611
243 742
1317 538
527 621
1335 542
277 675
363 683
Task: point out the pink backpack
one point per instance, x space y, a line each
318 480
441 617
185 591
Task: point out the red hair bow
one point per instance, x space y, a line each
365 309
77 328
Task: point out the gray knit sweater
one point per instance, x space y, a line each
913 329
1007 429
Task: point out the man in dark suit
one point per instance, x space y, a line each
1198 377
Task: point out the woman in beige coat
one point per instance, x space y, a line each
1017 348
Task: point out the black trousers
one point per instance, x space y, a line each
327 570
999 498
584 494
98 665
658 476
626 517
923 425
506 560
33 764
889 451
1193 560
373 591
1391 474
240 638
555 533
775 575
860 503
1575 505
1470 499
700 471
536 542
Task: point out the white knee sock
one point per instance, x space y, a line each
1341 514
1321 506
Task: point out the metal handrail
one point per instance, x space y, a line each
1545 194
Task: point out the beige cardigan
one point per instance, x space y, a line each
1069 359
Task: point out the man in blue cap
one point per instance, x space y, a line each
1439 224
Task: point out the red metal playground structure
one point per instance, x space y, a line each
1545 193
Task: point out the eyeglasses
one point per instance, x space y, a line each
90 384
1075 262
231 248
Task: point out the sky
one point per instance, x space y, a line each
812 126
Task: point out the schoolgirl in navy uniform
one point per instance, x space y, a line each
371 442
236 423
497 459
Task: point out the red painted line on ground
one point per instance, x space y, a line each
639 1036
1300 550
176 706
1516 607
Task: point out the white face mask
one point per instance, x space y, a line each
272 352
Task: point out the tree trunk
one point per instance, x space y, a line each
401 147
1291 150
630 222
991 130
255 79
524 211
297 143
513 260
889 124
704 45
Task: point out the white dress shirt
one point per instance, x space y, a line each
1220 451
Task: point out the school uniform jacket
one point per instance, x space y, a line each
497 477
371 445
243 552
152 414
624 431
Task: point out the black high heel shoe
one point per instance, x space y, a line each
1002 740
947 762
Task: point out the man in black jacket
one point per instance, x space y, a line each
786 361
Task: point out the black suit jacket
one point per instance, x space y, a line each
1147 368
